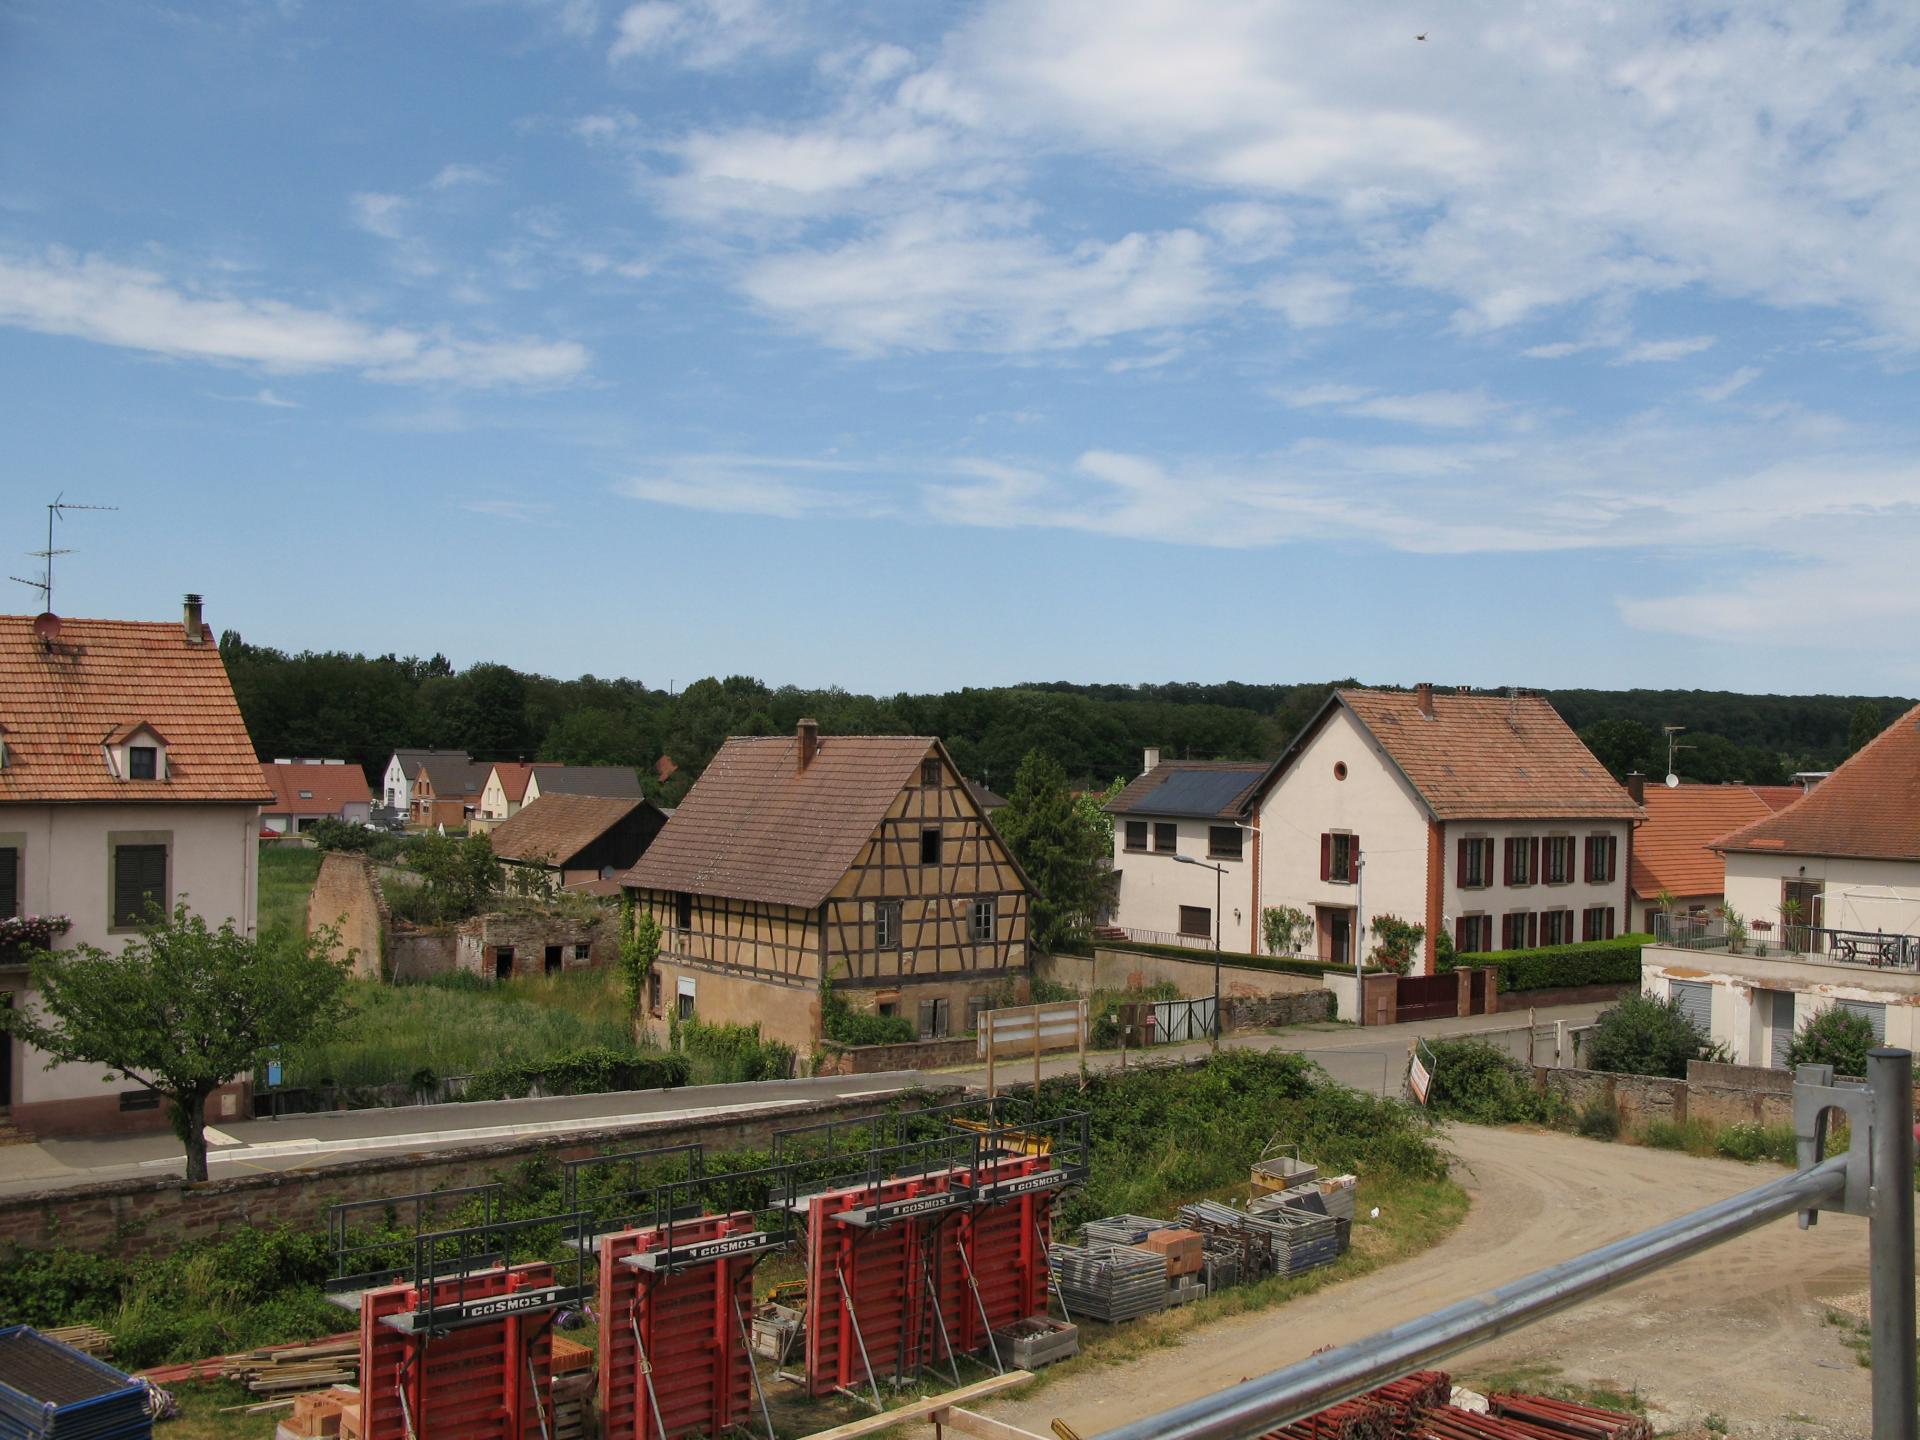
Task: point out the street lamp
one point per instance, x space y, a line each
1219 876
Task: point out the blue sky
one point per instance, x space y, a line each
909 347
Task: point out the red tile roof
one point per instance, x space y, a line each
555 828
1778 797
1489 757
1867 809
101 676
513 778
329 788
755 827
1674 851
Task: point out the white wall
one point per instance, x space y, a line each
63 871
1373 802
396 782
1500 899
1153 885
493 799
1860 894
1742 986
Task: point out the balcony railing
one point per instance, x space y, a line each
1877 949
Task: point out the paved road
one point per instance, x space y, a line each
1367 1060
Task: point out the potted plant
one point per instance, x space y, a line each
1736 929
1666 900
1793 912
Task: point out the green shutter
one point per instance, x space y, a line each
9 883
139 877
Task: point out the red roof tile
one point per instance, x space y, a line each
101 676
1868 809
513 778
755 827
1491 757
300 789
1674 851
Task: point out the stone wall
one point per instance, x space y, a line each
1735 1094
1113 968
152 1215
420 954
1640 1099
1266 1012
837 1059
529 935
345 894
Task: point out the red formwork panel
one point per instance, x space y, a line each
689 1321
1005 1241
485 1381
885 1270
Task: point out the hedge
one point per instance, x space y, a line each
1286 964
589 1070
1549 967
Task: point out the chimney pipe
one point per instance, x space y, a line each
807 733
1150 759
190 620
1637 787
1423 696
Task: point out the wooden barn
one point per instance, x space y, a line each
863 860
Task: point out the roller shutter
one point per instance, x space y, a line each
1696 1002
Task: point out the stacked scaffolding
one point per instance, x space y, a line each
1110 1282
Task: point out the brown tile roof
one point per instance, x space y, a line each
454 777
1674 850
555 828
329 788
1167 789
56 708
1869 808
988 800
602 780
755 828
1489 757
513 777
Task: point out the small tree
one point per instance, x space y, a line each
1283 928
1065 848
1834 1037
460 876
184 1009
1395 942
639 948
1644 1036
1666 900
331 833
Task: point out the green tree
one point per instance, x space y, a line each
460 876
1063 846
1623 746
1644 1036
1834 1037
184 1009
1863 727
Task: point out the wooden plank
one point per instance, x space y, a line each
921 1409
969 1422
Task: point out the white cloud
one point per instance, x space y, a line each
1725 389
1435 409
1309 301
753 485
380 214
1663 351
704 34
458 174
516 510
94 299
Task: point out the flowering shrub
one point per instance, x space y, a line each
31 931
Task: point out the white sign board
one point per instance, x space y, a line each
1031 1030
1418 1079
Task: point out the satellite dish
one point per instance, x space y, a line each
1673 781
46 627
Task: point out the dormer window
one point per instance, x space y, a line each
136 752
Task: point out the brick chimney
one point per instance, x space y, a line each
190 620
1423 697
808 735
1637 787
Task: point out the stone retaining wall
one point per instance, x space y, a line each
837 1059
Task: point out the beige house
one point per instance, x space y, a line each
1181 849
608 782
126 781
1482 815
504 793
860 860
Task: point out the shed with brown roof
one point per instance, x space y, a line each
578 838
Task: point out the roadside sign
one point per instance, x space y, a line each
1029 1030
1420 1073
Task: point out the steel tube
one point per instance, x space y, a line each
1254 1407
1890 1243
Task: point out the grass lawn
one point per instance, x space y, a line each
287 873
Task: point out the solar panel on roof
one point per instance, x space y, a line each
1195 792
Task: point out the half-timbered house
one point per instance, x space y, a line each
863 861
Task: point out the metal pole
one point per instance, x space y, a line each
1890 1243
1359 909
1254 1407
1219 873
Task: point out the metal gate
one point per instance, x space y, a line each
1177 1020
1426 997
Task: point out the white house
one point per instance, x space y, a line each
396 782
1480 814
127 780
1180 849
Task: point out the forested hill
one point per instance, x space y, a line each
362 708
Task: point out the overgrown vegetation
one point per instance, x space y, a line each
588 1070
1395 942
1546 967
287 873
1644 1036
726 1054
639 948
1834 1037
1474 1081
458 878
847 1025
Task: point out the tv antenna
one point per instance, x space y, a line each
1673 749
56 510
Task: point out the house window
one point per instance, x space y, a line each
1339 855
503 962
1476 863
980 922
929 844
1196 920
1223 842
1596 922
683 910
583 951
1473 934
1166 836
976 1006
686 997
929 772
886 925
1519 930
653 992
933 1019
1522 859
1556 927
143 762
1600 859
1556 862
139 882
1136 834
9 883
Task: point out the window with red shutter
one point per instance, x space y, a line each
1326 856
